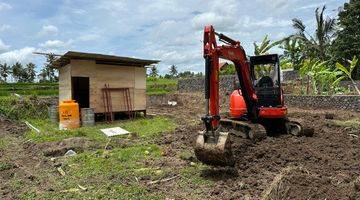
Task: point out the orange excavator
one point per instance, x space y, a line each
257 106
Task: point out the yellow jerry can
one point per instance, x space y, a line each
69 115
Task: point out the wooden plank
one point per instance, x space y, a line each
140 99
115 76
140 78
65 83
83 68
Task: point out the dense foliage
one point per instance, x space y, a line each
347 43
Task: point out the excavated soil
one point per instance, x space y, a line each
324 166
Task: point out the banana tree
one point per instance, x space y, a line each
321 78
263 49
346 73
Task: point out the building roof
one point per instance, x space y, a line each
102 59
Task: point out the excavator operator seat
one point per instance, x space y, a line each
265 73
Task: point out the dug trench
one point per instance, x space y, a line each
324 166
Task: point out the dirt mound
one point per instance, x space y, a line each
299 183
12 127
59 148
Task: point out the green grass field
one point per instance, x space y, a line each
154 86
39 89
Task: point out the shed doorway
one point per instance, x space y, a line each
80 91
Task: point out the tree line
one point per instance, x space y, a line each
173 73
27 73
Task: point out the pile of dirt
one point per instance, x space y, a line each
13 127
295 182
59 148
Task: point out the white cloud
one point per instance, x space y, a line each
49 30
23 55
4 6
88 37
218 20
5 27
268 22
275 5
3 46
54 44
311 6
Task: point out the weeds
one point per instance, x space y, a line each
3 144
15 108
157 86
352 123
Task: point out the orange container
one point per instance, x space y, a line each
69 115
237 104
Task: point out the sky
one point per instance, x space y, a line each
170 31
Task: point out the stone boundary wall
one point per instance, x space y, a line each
349 102
197 84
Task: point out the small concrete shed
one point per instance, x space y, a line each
83 77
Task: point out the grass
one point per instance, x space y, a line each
24 108
120 161
192 175
3 143
107 174
157 86
154 86
353 123
145 128
40 89
5 166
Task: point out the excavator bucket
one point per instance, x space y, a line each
215 152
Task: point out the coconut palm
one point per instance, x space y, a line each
265 46
316 45
5 71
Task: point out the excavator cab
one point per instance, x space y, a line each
265 73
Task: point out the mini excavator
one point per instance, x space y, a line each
257 106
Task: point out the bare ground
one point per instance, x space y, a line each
325 166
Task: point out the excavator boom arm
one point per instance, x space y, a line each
234 52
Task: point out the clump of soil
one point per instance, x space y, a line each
59 148
295 182
12 127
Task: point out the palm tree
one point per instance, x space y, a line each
17 72
265 46
262 49
5 71
30 72
317 45
173 71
